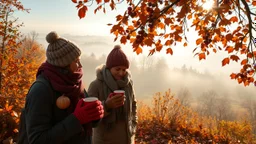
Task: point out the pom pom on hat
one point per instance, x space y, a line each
60 52
117 58
52 37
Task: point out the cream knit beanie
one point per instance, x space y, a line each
60 52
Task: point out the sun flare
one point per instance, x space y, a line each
208 4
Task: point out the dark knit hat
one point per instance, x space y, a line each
117 58
60 52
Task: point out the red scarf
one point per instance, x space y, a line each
65 82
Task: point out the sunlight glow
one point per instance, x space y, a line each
208 4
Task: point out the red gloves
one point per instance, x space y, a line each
87 112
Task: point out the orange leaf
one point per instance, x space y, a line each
185 44
254 3
244 62
214 50
138 50
123 40
109 24
201 56
168 42
233 76
234 19
234 58
161 25
98 1
199 40
169 51
74 1
225 61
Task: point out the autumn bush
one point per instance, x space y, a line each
18 75
167 121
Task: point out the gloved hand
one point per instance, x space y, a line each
87 112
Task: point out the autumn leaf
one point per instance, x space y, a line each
74 1
234 19
201 56
185 44
98 1
199 40
244 62
225 61
169 51
148 42
138 50
82 12
123 40
168 21
109 24
233 76
119 17
254 3
234 58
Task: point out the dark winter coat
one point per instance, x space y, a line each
42 122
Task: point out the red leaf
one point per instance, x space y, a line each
82 12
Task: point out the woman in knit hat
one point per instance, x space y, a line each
55 112
119 123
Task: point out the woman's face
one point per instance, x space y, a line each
118 72
75 65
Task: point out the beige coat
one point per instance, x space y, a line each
119 133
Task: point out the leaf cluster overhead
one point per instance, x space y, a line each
161 24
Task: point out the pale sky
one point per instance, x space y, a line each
61 16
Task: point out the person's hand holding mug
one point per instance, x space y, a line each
115 99
88 110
